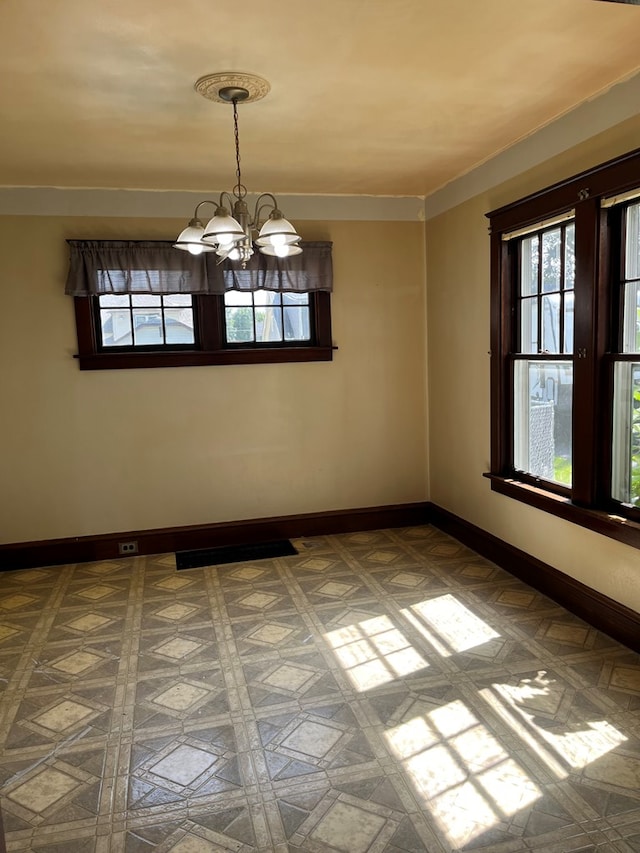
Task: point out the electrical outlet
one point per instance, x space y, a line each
127 547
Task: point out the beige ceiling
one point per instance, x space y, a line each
395 97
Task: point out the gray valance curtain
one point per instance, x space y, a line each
118 266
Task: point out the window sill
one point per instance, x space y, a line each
191 358
600 521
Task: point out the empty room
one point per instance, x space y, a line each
320 427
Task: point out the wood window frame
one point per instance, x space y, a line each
210 345
597 244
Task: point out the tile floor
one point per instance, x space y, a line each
381 691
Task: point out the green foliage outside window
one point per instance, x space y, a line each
562 470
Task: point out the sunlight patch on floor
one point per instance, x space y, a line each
467 780
456 627
578 742
374 652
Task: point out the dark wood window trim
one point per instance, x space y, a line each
595 336
607 523
210 347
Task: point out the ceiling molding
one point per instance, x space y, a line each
160 204
616 105
619 103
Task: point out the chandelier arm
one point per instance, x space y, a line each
196 214
225 196
258 208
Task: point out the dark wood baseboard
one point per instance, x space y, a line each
55 552
597 609
616 620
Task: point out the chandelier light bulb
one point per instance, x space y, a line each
286 251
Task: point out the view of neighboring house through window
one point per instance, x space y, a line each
258 317
265 316
144 320
626 400
543 356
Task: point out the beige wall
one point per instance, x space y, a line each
96 452
458 376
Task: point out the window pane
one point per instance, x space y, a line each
115 327
178 299
147 326
529 325
551 323
570 257
268 324
542 419
551 243
238 297
239 324
144 300
289 298
632 253
625 485
110 301
266 297
631 318
178 326
296 323
529 266
568 322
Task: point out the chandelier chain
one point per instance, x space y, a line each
239 190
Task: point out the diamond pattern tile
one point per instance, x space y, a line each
258 600
202 763
7 631
77 663
183 765
174 583
177 648
17 602
45 795
43 790
108 567
363 828
98 592
65 715
176 612
89 622
378 692
270 633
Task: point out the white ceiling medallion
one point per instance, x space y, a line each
210 85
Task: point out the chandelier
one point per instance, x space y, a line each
229 233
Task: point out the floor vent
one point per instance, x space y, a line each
234 554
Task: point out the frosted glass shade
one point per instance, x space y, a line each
190 240
223 228
276 232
